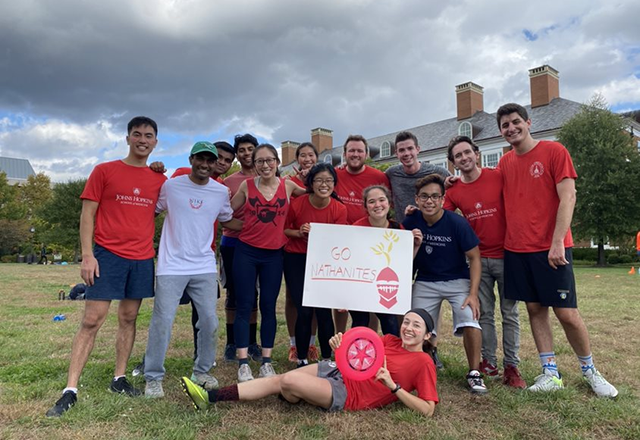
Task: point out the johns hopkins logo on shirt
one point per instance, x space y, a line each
428 250
478 205
352 194
536 169
563 294
136 191
195 203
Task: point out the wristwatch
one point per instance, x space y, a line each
396 389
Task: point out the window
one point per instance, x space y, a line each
385 149
491 159
439 163
327 158
465 129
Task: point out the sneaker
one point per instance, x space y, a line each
293 354
512 377
198 395
302 363
123 386
489 370
266 370
153 390
547 382
476 384
255 352
63 404
205 380
138 369
244 373
599 384
312 355
436 359
230 353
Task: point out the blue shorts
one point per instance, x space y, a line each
529 278
120 278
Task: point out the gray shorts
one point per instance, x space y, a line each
429 295
328 370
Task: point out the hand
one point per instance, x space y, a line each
158 167
410 209
417 237
383 376
556 255
304 230
473 302
449 181
335 341
88 269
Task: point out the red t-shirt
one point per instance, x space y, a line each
412 370
302 211
187 170
482 205
127 197
264 220
350 187
233 183
530 196
364 221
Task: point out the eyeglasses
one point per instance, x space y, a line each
323 181
268 161
424 197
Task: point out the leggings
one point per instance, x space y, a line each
388 323
249 263
294 267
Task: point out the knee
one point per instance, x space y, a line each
91 323
569 317
288 382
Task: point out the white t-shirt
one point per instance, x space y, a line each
187 233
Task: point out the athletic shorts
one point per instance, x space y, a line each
328 370
120 278
529 278
429 295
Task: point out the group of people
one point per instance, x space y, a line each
266 222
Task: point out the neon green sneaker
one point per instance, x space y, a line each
198 395
547 381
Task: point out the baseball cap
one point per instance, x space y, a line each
204 146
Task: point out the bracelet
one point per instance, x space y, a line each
396 389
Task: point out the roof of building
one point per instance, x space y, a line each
17 169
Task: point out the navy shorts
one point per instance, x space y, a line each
120 278
529 278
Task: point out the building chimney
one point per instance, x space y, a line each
545 85
288 151
322 138
469 99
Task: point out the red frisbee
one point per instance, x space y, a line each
360 355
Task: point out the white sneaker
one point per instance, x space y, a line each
599 384
153 389
244 373
476 384
266 370
547 381
205 380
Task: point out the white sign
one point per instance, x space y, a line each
359 268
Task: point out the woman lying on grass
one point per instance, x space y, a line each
407 367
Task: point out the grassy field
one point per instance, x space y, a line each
34 354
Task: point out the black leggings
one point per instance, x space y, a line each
294 267
388 323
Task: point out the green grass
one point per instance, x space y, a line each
34 353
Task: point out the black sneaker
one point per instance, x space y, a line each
436 359
67 400
123 386
255 352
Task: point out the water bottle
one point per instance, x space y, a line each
59 317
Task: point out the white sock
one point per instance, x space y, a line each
72 389
312 340
292 341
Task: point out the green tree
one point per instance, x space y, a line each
14 234
608 166
10 206
35 193
62 213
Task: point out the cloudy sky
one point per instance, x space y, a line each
72 73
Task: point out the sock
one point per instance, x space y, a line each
253 329
548 361
72 389
231 339
243 361
586 363
312 340
266 360
115 378
292 341
302 362
225 394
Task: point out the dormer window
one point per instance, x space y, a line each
385 149
465 129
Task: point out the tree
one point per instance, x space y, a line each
62 213
13 235
10 207
608 166
35 193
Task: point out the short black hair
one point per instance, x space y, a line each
244 139
458 140
225 146
512 107
427 180
141 121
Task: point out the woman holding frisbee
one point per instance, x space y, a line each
320 205
258 253
406 368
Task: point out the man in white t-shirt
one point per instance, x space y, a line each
187 263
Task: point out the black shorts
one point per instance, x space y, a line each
529 278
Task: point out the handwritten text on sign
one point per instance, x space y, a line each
358 268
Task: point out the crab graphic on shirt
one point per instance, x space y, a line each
267 213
